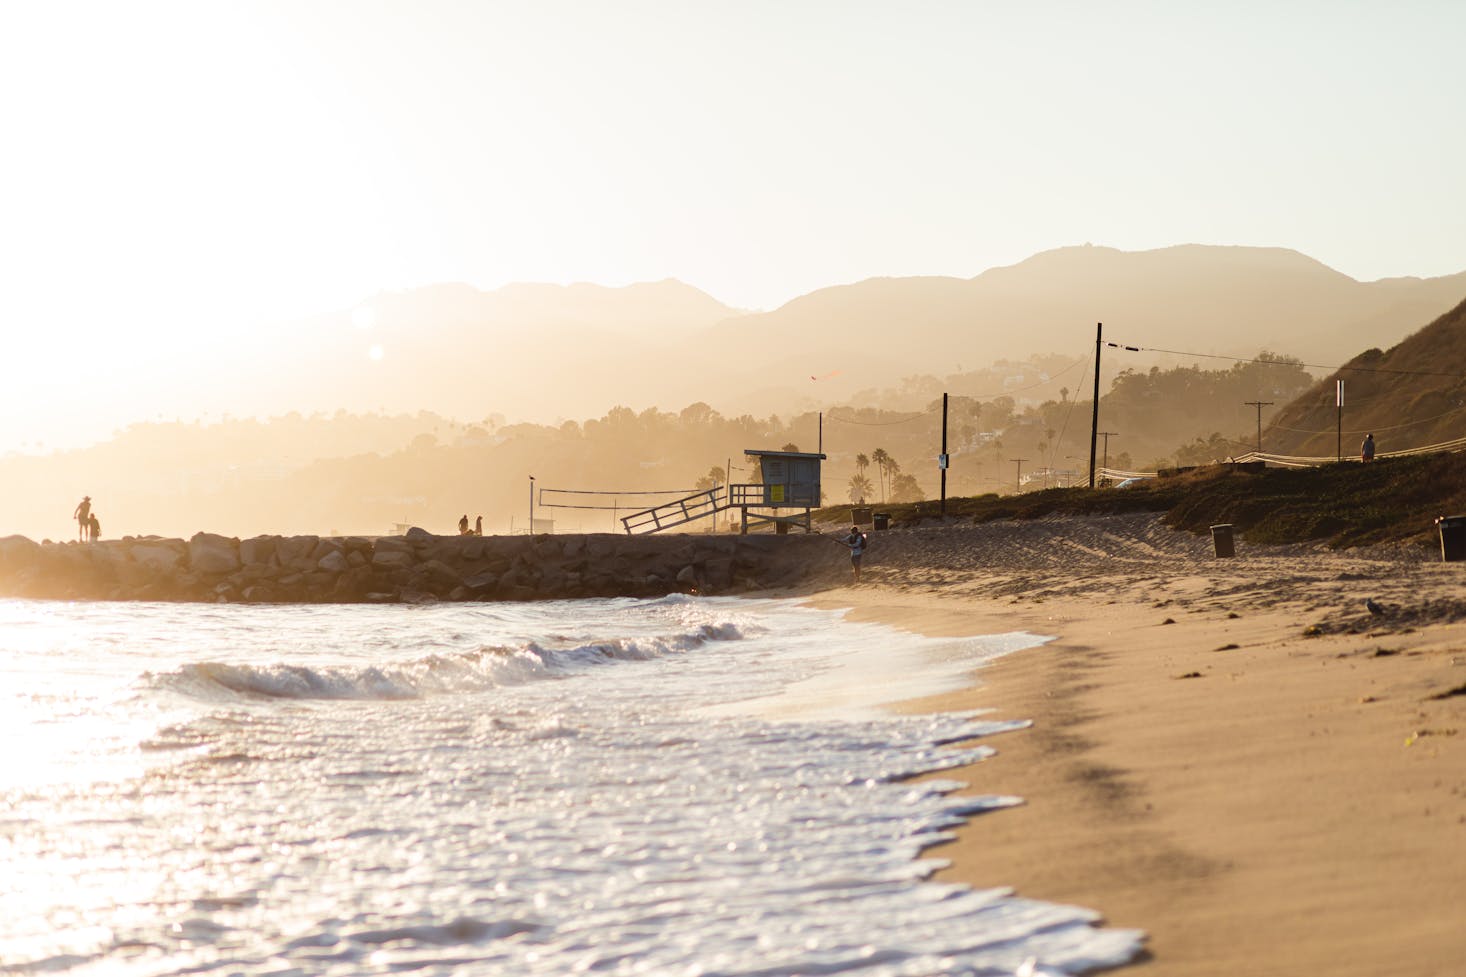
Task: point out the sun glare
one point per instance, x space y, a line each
375 352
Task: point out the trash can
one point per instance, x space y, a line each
860 515
881 520
1453 538
1221 540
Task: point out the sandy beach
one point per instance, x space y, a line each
1235 755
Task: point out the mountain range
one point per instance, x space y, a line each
549 352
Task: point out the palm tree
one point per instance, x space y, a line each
859 488
861 464
879 457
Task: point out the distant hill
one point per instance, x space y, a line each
1412 395
548 352
1193 298
524 351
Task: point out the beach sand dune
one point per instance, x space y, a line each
1236 755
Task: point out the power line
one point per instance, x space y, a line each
904 420
977 396
1278 362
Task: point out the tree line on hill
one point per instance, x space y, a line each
346 473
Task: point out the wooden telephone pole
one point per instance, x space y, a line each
1259 404
944 461
1099 330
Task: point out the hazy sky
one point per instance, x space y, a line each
176 173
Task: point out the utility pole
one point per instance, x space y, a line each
1099 330
531 505
943 460
1018 478
1107 435
1259 404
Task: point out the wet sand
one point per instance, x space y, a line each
1235 755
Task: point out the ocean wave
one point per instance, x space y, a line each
438 674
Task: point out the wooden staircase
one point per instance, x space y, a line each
678 512
701 505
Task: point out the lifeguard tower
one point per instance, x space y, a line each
788 480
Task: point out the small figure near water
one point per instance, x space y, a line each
82 516
463 525
478 526
856 541
1366 450
94 527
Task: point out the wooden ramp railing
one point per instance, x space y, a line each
678 512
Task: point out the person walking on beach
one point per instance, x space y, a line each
94 527
82 516
856 542
1366 450
463 525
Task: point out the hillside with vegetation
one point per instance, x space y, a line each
1390 502
1410 396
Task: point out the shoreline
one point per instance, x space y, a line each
1256 798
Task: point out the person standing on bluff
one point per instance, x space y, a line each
1366 450
82 515
94 527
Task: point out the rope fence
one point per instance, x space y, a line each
1303 461
615 506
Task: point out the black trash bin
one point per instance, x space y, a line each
881 520
1453 537
1221 540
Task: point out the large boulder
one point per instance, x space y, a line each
333 562
297 552
391 558
324 547
258 551
210 553
158 554
718 572
441 574
480 582
392 544
18 558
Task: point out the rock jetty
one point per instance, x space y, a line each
413 568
